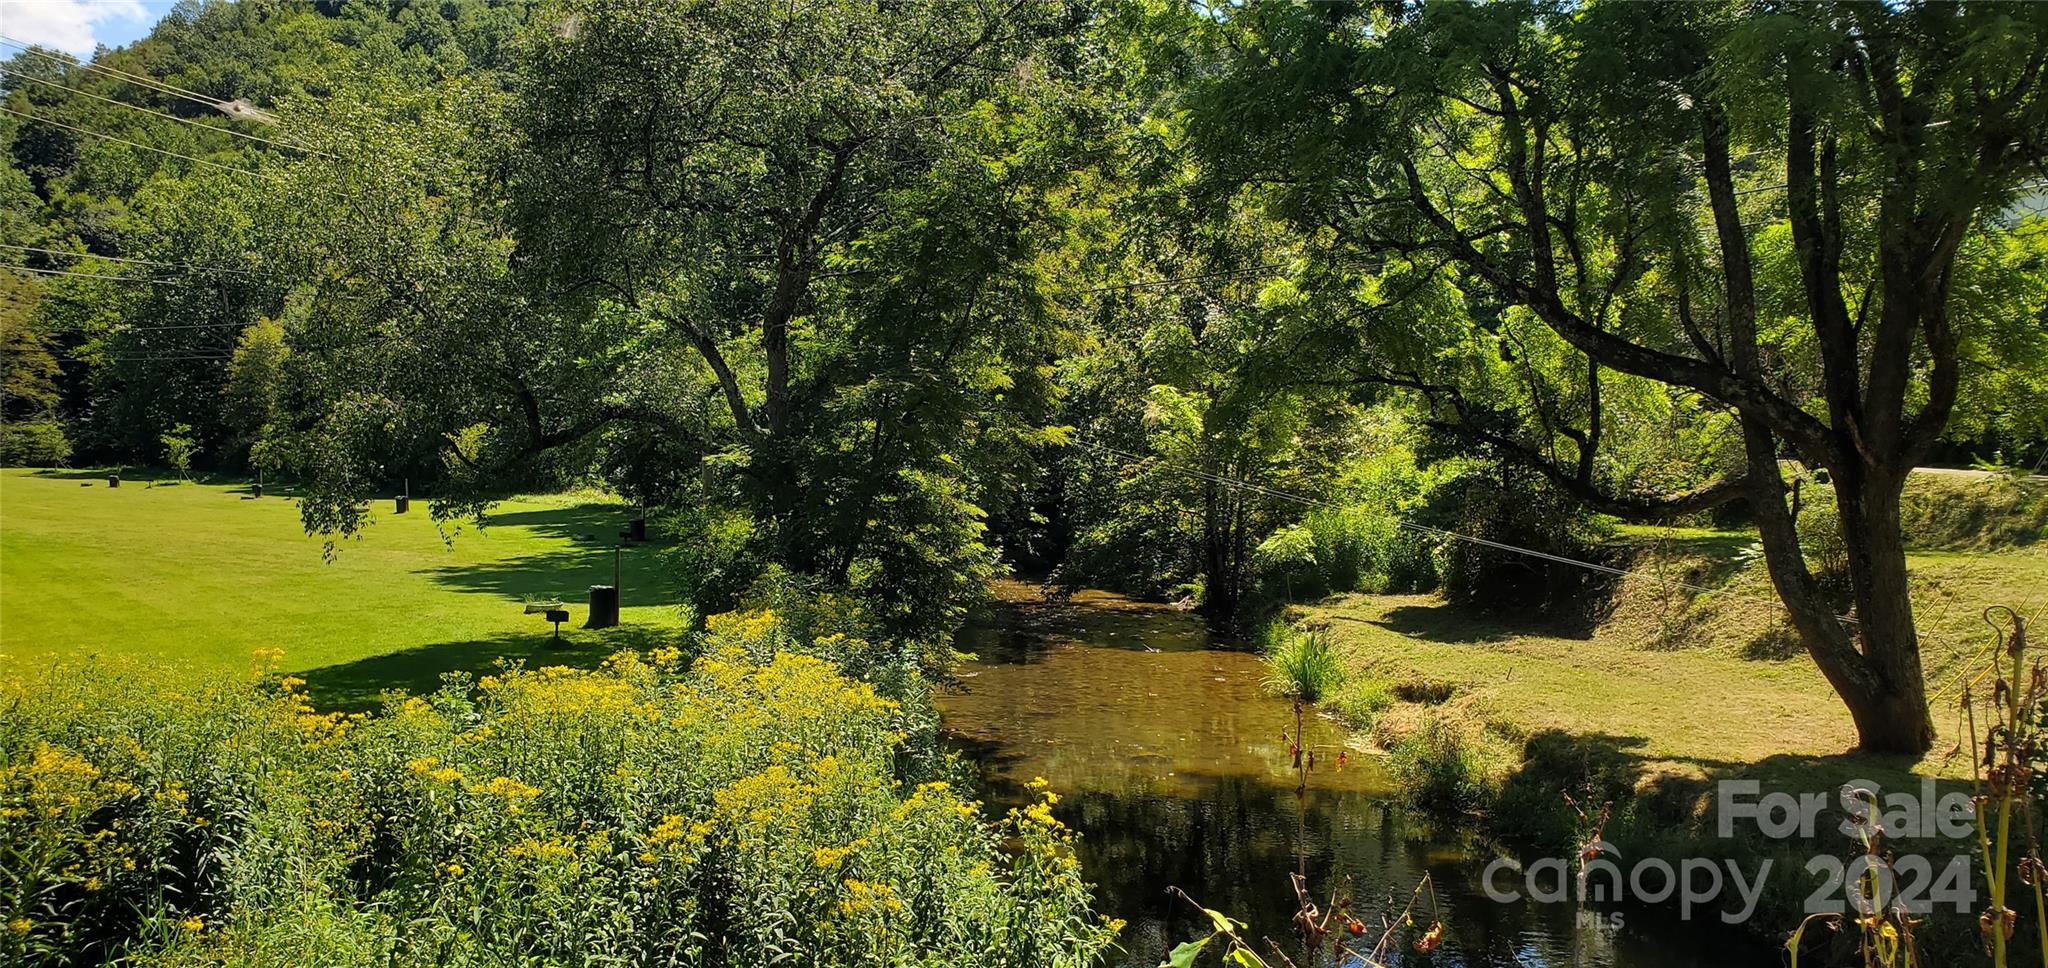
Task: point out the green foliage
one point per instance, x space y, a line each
1820 533
253 397
1442 766
1359 548
1505 504
1361 700
716 557
179 448
34 443
648 812
1301 665
28 369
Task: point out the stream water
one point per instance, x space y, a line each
1172 763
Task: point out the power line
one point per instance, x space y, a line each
228 108
171 354
140 80
158 329
132 144
165 115
94 275
1444 533
127 259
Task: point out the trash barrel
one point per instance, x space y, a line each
636 530
255 490
113 480
403 503
604 607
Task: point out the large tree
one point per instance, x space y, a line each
839 210
1629 179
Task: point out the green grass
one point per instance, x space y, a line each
202 575
1674 680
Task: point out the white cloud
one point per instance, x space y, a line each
70 25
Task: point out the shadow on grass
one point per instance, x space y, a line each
1451 625
355 686
129 475
566 574
595 523
148 476
1665 791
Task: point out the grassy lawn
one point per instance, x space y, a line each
203 575
1683 683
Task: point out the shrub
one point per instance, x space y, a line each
1513 507
715 558
1821 541
737 809
1358 548
1300 665
180 446
1286 564
34 443
1443 767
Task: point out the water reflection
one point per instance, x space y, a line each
1172 762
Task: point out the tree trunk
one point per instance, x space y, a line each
1220 592
1894 718
1881 682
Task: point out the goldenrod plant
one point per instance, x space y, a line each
738 808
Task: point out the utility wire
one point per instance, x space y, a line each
140 80
167 116
1443 533
132 144
94 275
158 329
173 90
129 259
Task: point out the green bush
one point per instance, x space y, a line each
1441 766
715 558
734 810
1514 507
34 443
1356 549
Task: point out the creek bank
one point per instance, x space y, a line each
1498 719
1172 762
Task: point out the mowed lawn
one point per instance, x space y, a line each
200 576
1666 679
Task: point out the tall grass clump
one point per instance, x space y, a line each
747 807
1444 767
1300 665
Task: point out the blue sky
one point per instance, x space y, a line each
79 25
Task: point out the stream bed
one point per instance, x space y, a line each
1173 764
